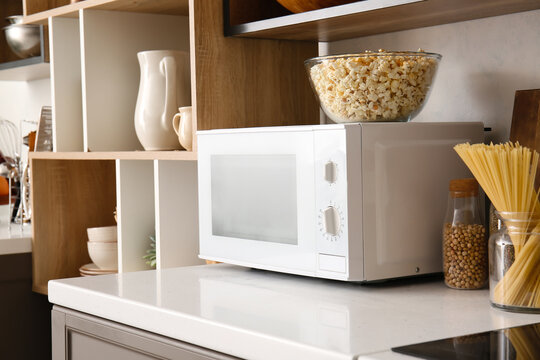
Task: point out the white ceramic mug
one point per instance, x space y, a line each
183 126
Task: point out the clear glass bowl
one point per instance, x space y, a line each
373 86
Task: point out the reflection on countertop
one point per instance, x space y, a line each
259 314
14 240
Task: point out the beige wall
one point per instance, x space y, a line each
484 62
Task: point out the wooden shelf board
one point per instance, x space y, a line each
170 7
25 70
114 155
372 17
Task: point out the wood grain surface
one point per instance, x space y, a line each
34 6
69 196
526 122
245 82
38 11
298 6
352 20
243 11
45 44
120 155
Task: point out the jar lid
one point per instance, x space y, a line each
463 187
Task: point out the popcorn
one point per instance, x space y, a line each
373 87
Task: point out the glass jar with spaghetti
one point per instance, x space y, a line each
514 253
465 255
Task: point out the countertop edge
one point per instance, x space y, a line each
267 315
15 246
201 332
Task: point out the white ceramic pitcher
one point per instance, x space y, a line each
164 87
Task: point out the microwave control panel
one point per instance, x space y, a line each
331 197
330 222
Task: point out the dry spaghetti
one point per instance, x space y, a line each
507 172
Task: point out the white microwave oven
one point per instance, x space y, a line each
353 202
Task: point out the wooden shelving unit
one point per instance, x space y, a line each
364 18
94 89
253 78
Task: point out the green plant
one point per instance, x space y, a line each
150 256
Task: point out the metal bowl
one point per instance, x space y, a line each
24 40
15 19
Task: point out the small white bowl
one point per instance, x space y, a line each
103 234
104 254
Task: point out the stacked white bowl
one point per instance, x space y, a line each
103 247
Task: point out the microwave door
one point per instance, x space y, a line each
254 197
257 200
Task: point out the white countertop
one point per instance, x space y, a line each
15 240
264 315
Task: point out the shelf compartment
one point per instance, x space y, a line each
70 197
135 212
38 11
95 83
151 197
12 67
370 17
157 198
177 215
110 71
118 155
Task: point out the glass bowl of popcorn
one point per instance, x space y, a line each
373 86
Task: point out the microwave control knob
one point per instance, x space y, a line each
331 221
330 172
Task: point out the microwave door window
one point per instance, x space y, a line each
254 197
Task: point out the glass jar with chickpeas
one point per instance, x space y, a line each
465 246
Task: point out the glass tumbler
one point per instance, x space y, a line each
514 262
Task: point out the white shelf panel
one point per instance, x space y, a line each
65 50
135 212
177 225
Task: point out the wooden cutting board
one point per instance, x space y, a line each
526 122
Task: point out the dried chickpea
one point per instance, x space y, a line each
465 260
